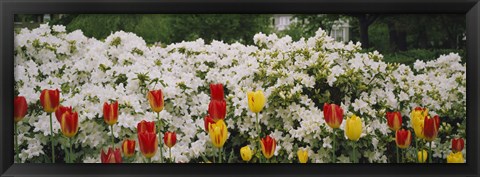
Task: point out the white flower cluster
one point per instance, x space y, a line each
297 77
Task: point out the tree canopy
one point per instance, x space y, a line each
169 28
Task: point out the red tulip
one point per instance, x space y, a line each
69 123
50 100
208 120
110 113
457 144
148 142
403 138
216 91
128 148
155 97
60 110
170 138
268 146
333 115
111 156
394 120
217 109
431 126
145 126
20 108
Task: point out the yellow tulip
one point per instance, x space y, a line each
417 117
456 157
353 128
302 155
256 101
422 156
218 133
246 153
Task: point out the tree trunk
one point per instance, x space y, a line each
422 39
398 37
362 19
402 40
392 32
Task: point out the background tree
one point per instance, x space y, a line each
169 28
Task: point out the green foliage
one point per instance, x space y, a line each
101 25
170 28
409 57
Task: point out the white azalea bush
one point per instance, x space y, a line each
297 77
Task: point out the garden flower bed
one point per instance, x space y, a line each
298 79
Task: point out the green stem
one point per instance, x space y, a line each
333 148
16 141
149 160
257 126
67 153
70 154
259 139
113 139
354 152
160 136
219 155
416 150
398 156
170 152
430 154
52 139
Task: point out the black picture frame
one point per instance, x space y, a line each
471 9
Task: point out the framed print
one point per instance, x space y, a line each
239 88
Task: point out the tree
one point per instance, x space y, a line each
168 28
365 20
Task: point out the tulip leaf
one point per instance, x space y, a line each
205 159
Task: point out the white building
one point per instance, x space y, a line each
282 21
340 28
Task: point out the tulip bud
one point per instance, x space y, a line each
20 108
218 133
268 146
417 117
144 126
457 144
110 113
128 148
353 128
403 138
333 115
422 156
217 109
170 138
50 100
394 120
147 138
431 126
60 110
302 155
155 98
216 91
111 156
148 142
456 157
69 124
256 101
246 153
